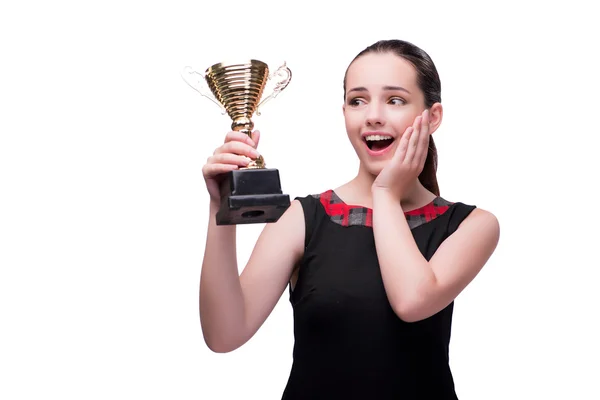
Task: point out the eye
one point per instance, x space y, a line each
355 102
398 101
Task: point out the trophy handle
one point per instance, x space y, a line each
197 81
285 75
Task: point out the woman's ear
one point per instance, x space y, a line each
436 112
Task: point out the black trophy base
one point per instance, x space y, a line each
252 196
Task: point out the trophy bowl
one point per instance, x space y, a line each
250 194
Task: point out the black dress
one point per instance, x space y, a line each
349 343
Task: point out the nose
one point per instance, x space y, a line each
374 115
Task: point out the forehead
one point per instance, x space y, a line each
376 69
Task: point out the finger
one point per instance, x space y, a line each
256 138
403 146
239 137
213 170
239 148
413 141
423 145
228 158
425 123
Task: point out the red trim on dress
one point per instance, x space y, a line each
346 215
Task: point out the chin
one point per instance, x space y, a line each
374 168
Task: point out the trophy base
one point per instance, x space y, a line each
251 196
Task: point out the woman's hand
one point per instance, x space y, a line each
408 161
237 151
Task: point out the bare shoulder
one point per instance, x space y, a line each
478 232
285 235
291 220
483 220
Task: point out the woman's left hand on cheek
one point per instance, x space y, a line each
408 160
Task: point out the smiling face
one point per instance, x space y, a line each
382 100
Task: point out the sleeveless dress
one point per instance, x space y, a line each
349 343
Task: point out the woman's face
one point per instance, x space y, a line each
382 100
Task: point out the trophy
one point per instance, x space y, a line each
250 194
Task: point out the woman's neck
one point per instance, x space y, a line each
358 192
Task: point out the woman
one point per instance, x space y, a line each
373 266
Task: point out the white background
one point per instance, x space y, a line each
103 209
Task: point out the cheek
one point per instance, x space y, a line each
403 121
352 122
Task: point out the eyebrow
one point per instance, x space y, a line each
363 89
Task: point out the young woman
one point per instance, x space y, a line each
373 266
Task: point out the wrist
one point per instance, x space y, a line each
213 206
384 193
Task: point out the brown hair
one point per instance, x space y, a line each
428 81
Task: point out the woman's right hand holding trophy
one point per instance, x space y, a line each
238 150
240 185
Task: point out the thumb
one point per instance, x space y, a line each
255 137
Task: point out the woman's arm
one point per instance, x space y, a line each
417 288
233 306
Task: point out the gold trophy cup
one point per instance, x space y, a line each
251 194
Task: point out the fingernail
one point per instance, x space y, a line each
255 154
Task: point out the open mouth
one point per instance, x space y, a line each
378 142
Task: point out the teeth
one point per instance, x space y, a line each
377 137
